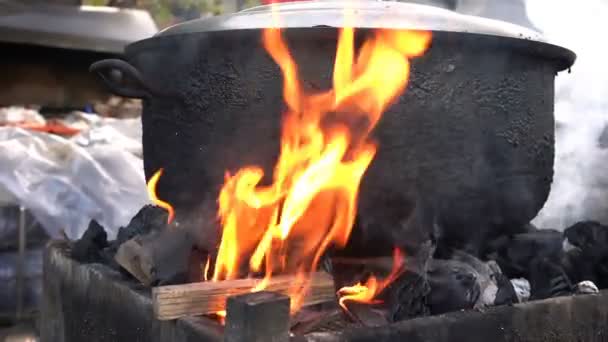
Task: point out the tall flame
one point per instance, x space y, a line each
311 204
152 183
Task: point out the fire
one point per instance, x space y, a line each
366 293
152 194
206 269
285 227
221 315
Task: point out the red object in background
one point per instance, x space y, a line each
53 127
268 2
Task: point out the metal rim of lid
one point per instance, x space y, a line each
367 14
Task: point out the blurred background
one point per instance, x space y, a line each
70 151
169 12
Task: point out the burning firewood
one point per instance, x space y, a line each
174 301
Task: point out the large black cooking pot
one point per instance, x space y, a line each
471 139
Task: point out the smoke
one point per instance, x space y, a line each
580 186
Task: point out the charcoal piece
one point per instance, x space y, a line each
522 289
590 236
578 266
158 258
171 255
454 286
548 279
495 287
514 254
88 249
367 314
310 319
506 294
587 256
406 297
108 254
149 218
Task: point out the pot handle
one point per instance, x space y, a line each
121 78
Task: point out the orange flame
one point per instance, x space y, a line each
221 316
310 205
366 293
206 268
152 194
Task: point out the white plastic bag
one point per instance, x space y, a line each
67 182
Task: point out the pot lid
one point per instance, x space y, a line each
368 14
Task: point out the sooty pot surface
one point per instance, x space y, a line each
471 139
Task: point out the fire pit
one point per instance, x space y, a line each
97 303
306 171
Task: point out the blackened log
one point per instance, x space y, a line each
149 218
453 285
407 296
591 238
159 258
548 279
495 288
506 291
515 253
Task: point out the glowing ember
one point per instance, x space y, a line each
366 293
311 204
152 194
221 316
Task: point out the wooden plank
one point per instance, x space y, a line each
174 301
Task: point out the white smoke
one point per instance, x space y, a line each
580 186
